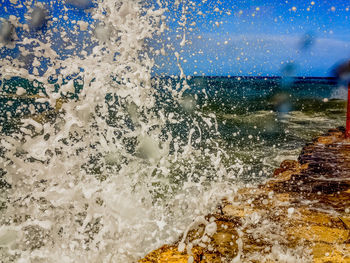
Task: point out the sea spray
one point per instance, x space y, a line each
116 162
98 181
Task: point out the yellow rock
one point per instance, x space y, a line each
345 221
235 211
314 217
224 240
326 253
282 197
293 206
315 233
170 254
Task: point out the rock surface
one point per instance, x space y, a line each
302 214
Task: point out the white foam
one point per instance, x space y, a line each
92 189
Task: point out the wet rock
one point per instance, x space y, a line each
325 168
170 254
291 165
301 214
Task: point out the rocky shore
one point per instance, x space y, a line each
302 214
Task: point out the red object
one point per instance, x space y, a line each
347 131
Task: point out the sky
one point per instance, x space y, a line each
265 38
249 38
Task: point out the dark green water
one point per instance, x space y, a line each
262 121
259 121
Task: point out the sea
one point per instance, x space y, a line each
260 121
224 133
103 160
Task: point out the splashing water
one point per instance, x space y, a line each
105 178
107 163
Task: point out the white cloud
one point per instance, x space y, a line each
260 54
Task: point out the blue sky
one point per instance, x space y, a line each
264 37
243 37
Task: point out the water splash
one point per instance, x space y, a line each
110 174
114 162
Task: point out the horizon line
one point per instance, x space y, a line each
250 76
